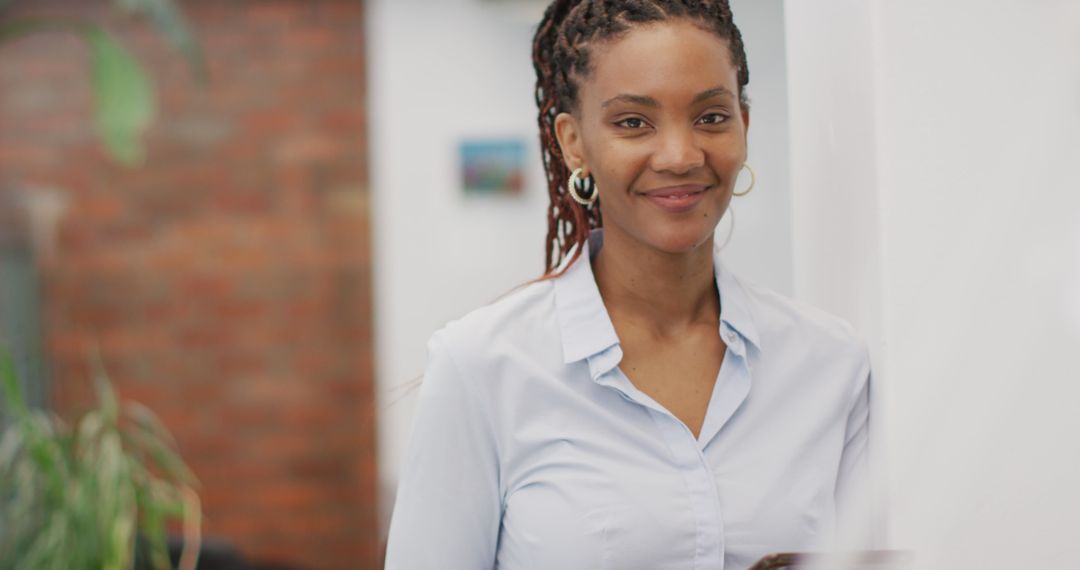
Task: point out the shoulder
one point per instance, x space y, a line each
804 343
522 318
779 317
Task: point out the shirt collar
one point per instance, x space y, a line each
583 319
734 303
584 322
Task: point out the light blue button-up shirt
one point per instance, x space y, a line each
531 449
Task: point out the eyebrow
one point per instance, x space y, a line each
646 101
714 92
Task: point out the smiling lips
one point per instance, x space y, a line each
677 199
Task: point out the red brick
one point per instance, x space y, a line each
227 280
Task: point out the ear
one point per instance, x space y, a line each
746 119
568 133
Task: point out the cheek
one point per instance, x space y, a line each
618 166
727 163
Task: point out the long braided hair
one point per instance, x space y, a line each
561 61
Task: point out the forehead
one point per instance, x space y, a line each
665 60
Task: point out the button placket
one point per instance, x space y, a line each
701 489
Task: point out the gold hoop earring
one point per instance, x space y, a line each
753 180
572 184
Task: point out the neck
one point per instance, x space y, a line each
664 292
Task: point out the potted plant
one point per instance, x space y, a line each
82 495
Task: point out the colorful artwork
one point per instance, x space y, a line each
493 166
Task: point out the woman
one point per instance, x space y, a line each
640 406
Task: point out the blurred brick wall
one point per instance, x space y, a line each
227 280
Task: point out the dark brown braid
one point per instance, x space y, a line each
561 60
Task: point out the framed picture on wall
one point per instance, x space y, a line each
492 166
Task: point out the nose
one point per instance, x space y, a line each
677 152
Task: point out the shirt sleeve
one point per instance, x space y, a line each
448 507
858 512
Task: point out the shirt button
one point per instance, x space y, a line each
731 338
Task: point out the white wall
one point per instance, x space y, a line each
761 248
441 70
942 138
834 186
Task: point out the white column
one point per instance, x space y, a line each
934 147
835 212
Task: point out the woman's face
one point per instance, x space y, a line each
660 129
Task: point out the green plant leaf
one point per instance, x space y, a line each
151 437
73 497
107 402
164 458
167 17
152 525
88 432
145 418
13 396
124 98
45 449
10 447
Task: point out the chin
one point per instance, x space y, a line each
683 232
682 238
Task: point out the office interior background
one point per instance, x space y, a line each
267 278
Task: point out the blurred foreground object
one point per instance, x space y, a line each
865 560
77 497
124 99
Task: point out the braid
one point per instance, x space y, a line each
561 60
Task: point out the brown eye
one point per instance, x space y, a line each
713 119
631 123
